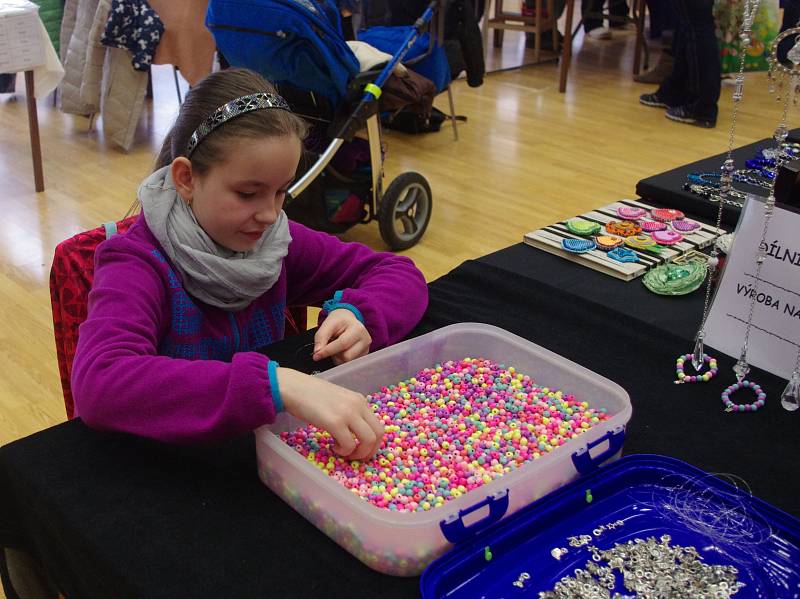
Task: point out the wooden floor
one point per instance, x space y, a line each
527 156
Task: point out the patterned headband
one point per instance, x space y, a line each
231 110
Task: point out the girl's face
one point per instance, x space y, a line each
235 201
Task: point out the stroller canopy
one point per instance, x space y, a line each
295 42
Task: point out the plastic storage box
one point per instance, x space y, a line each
652 496
404 543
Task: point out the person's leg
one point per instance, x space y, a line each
590 9
663 18
702 59
791 15
673 90
619 9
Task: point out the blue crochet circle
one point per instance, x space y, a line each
623 255
578 246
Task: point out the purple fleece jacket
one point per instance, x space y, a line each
153 361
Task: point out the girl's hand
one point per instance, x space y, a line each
341 337
344 414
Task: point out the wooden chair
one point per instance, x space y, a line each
543 20
637 17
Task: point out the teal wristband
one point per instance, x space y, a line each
272 372
335 303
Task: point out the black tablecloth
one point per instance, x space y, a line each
115 516
667 188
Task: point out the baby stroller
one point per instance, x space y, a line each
298 45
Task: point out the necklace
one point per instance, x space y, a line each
711 194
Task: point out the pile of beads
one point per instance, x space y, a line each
451 429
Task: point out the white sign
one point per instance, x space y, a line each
21 47
775 331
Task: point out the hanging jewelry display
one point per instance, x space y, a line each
726 179
786 81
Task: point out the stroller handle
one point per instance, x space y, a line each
359 115
373 90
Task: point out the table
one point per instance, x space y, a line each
667 187
25 46
113 515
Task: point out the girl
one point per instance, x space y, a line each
202 278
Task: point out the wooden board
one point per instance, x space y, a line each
549 239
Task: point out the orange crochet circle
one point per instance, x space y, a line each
608 242
624 228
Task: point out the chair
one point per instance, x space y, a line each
71 279
638 13
542 19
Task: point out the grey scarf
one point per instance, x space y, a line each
211 273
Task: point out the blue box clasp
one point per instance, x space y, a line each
585 463
456 531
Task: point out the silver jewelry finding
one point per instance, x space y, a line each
558 552
648 569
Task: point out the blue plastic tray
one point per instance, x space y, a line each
652 495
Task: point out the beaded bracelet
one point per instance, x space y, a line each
749 407
711 179
695 378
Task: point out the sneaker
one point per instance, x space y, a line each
653 100
600 33
682 114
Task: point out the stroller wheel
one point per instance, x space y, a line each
405 211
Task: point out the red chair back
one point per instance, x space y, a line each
71 279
